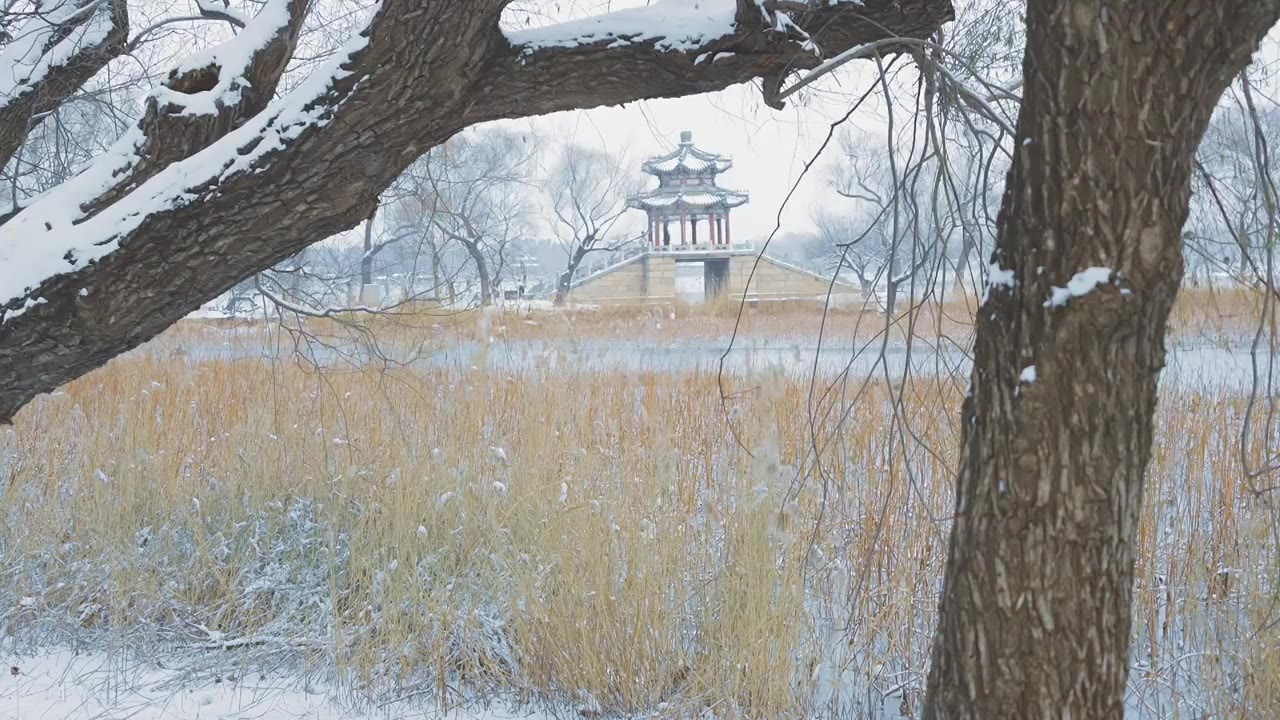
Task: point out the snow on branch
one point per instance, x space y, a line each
53 235
50 56
675 25
654 48
232 62
53 37
1080 284
213 10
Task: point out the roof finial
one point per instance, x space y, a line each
686 137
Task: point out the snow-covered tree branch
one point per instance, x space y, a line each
50 56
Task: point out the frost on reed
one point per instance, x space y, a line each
596 540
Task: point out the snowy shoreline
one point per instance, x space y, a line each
71 686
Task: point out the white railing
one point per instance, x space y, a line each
608 261
701 248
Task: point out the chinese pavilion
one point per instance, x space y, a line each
688 197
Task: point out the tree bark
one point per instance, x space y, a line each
435 270
1242 242
1035 609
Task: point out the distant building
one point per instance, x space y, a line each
689 198
688 251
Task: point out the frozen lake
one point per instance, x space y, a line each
1192 363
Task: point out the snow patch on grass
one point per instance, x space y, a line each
75 686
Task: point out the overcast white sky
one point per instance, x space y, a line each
769 148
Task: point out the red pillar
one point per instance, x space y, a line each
715 229
683 237
728 239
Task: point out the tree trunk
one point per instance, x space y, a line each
566 278
435 271
967 246
866 283
482 271
1242 241
1035 609
366 260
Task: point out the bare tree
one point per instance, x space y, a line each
413 241
370 251
844 243
589 190
983 48
1230 224
894 236
476 191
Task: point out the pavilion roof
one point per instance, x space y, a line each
688 198
687 159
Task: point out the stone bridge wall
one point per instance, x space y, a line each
652 278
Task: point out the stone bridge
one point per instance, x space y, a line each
649 276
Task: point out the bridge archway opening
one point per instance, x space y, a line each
691 282
701 280
715 277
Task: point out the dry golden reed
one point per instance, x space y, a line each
618 542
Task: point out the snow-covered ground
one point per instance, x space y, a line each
63 685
